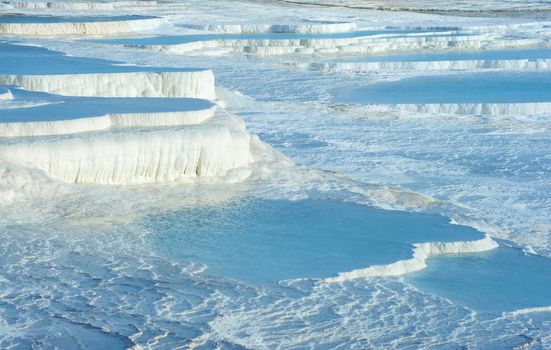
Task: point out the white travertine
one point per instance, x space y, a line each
421 252
303 28
72 126
135 157
78 5
524 108
191 84
80 28
374 44
513 65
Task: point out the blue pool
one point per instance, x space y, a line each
265 241
32 60
69 107
295 239
504 279
458 88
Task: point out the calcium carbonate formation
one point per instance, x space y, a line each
421 252
187 142
88 161
5 94
108 149
431 66
430 6
77 5
136 157
106 27
191 142
192 84
297 28
492 109
104 122
355 43
275 47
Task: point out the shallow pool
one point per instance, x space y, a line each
268 241
491 87
56 107
32 60
264 241
504 279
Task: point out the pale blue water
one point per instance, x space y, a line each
70 107
52 19
504 279
31 60
182 39
93 286
263 241
268 241
491 87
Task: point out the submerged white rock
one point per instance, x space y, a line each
5 94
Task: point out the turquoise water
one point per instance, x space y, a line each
183 39
460 88
264 241
52 19
32 60
113 285
268 241
69 107
504 279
